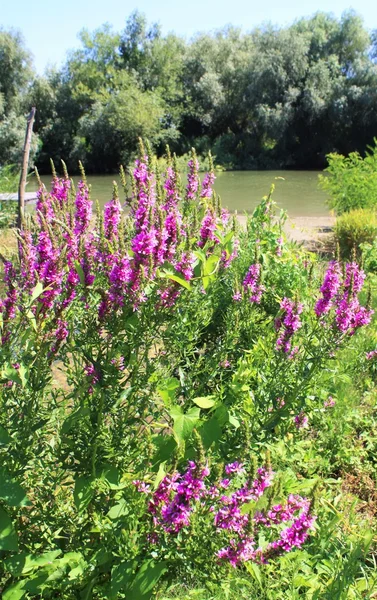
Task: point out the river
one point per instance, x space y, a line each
295 191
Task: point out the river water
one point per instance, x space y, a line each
295 191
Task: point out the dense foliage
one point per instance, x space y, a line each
165 376
274 97
351 180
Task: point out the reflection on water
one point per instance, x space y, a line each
295 191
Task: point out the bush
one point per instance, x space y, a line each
369 254
351 181
150 363
355 228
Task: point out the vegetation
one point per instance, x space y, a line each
187 409
273 97
354 228
351 181
9 178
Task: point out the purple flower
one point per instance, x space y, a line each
59 190
192 179
185 489
112 217
207 184
288 323
171 186
238 551
235 467
251 283
186 265
329 289
83 212
301 420
279 246
329 403
208 228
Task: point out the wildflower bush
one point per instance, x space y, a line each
157 361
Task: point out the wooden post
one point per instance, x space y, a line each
24 168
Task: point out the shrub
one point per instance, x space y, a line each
351 181
184 349
370 256
355 228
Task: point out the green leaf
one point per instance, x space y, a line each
234 421
112 477
210 265
8 536
4 437
120 577
167 388
160 475
165 448
23 563
210 432
254 571
80 272
184 423
15 375
74 417
15 592
11 491
118 510
204 401
37 291
83 492
145 580
176 277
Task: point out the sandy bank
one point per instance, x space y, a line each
310 230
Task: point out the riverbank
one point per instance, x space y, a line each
314 232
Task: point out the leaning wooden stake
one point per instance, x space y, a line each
24 168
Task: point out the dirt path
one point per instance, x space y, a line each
312 231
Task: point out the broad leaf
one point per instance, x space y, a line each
184 423
15 592
145 580
4 437
210 432
37 291
8 536
120 577
11 491
118 510
177 277
23 563
83 492
166 390
204 401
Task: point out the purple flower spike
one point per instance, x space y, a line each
288 323
208 181
192 179
83 213
251 283
112 218
329 289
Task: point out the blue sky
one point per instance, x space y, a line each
50 28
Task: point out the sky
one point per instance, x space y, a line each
50 28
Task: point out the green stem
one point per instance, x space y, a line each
97 432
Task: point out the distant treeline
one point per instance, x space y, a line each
274 97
